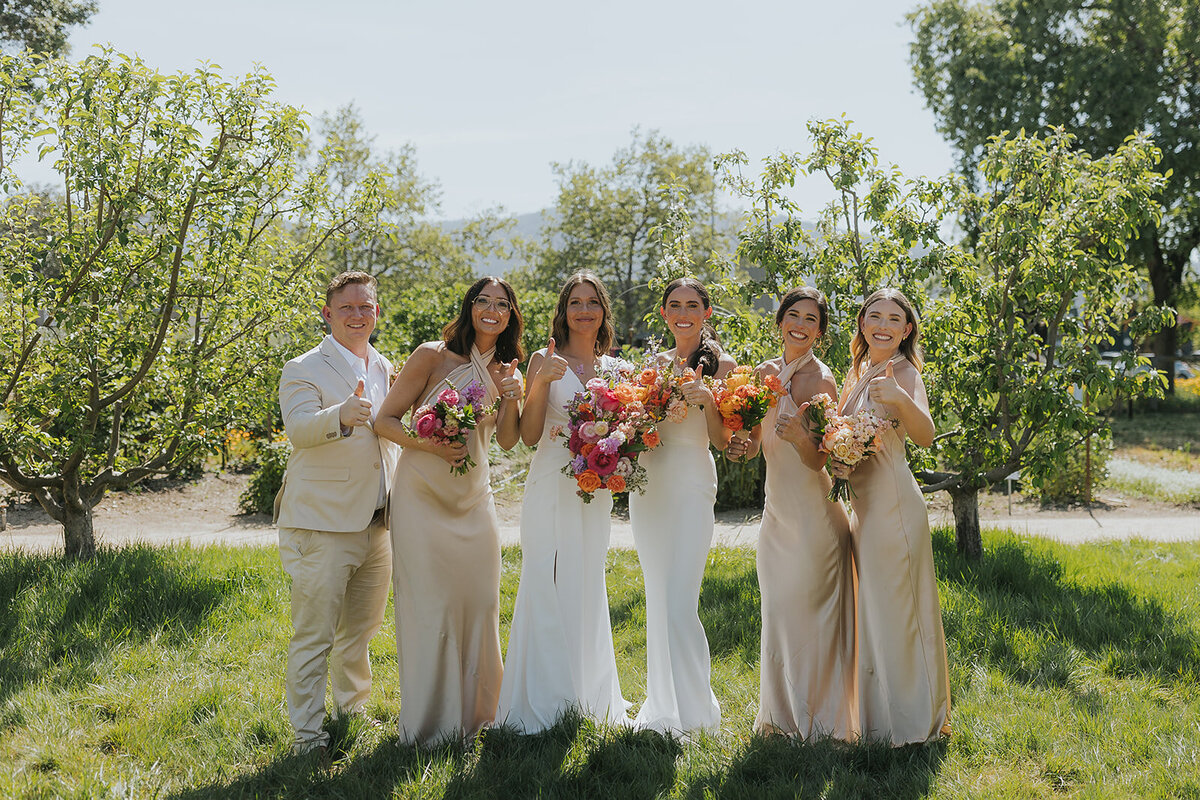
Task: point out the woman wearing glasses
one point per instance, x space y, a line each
445 535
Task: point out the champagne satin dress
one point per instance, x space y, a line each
903 678
807 669
446 576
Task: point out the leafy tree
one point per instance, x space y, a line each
1013 325
879 230
605 220
1102 71
1014 376
422 266
41 25
146 309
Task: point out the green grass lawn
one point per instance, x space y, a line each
159 673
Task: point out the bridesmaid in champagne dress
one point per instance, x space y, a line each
904 683
673 526
807 667
445 535
560 648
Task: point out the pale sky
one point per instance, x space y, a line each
490 93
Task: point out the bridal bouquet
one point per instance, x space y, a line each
845 439
451 417
660 389
744 400
609 425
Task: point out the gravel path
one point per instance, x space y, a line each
732 530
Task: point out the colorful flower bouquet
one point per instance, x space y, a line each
744 400
609 425
451 417
845 439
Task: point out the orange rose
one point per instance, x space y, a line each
651 439
585 408
616 483
745 390
588 481
648 377
586 448
733 422
772 382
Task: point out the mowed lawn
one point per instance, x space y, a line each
159 673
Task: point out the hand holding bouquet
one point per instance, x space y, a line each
451 417
609 425
743 399
845 439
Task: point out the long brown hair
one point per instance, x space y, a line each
707 357
558 326
459 335
910 348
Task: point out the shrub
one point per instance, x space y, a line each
268 467
740 484
1067 481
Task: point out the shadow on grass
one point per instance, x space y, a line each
730 607
778 766
1025 616
501 764
60 619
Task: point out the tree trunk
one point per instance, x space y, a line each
1165 281
966 521
78 537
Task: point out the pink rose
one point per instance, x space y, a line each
587 432
428 425
608 401
448 396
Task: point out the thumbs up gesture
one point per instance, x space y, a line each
695 392
355 410
884 390
510 384
553 365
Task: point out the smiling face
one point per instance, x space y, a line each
490 310
884 325
684 312
585 312
351 314
800 327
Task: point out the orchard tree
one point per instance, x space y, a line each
1013 322
147 307
1102 71
605 220
41 25
879 229
1014 375
422 265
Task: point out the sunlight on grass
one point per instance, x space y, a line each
158 673
1162 484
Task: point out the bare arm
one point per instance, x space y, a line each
408 388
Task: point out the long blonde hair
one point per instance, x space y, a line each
910 348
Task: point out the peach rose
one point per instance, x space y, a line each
651 439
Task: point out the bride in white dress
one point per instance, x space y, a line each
673 526
560 649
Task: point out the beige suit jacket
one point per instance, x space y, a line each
332 481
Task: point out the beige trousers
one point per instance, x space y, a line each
339 592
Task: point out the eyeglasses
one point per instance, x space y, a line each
483 303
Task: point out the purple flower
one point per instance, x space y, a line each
474 393
609 444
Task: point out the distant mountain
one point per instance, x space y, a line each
529 227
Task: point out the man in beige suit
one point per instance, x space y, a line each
333 539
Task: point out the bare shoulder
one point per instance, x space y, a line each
725 365
907 375
769 367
